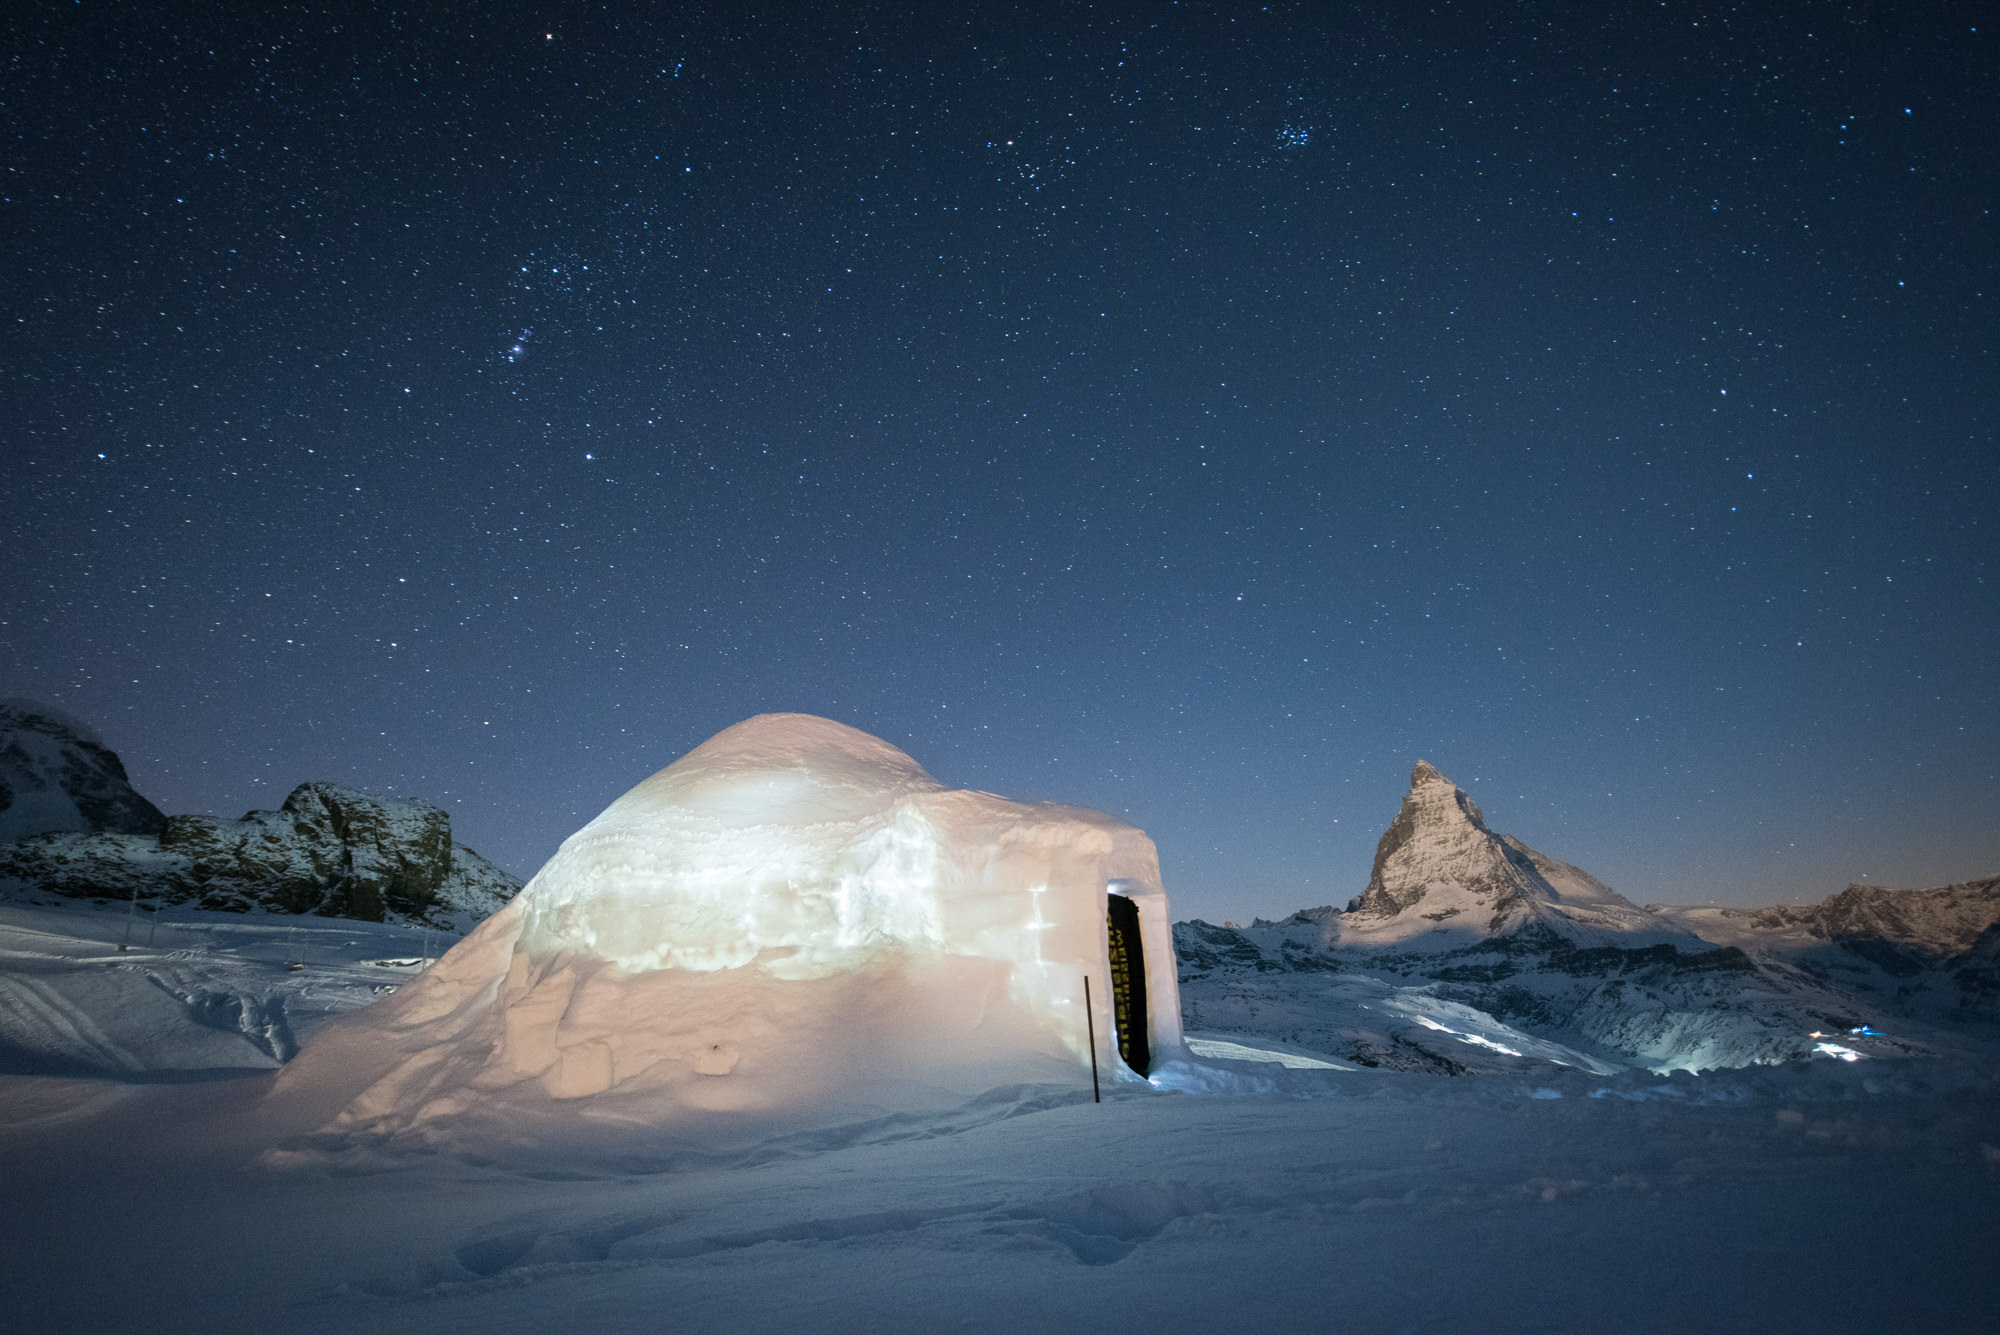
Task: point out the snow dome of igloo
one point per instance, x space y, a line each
793 913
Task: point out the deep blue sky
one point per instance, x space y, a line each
1199 412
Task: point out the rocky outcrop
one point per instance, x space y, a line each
56 774
328 850
71 824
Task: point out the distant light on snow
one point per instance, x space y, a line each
1429 1023
1218 1049
1835 1050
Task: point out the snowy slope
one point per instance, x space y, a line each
1264 1190
1356 1017
57 774
1530 992
194 995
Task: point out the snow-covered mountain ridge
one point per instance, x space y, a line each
328 850
71 825
1912 928
1458 912
1931 953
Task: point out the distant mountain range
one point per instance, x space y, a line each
71 825
1539 958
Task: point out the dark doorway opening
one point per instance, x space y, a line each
1128 983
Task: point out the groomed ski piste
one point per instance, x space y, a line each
174 1164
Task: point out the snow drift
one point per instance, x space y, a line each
794 915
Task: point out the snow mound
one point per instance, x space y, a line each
793 917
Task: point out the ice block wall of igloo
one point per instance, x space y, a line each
793 909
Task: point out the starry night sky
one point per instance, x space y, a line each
1199 412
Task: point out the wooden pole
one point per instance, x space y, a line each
1090 1019
131 912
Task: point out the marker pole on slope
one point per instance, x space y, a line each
131 911
1090 1019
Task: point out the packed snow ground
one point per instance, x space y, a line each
1243 1195
194 994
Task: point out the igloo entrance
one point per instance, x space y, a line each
1128 981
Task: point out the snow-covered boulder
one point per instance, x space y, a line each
56 774
328 850
792 918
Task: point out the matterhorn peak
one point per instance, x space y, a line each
1437 822
1441 875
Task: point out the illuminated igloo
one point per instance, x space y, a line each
792 915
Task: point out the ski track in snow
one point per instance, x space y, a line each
36 1016
194 992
